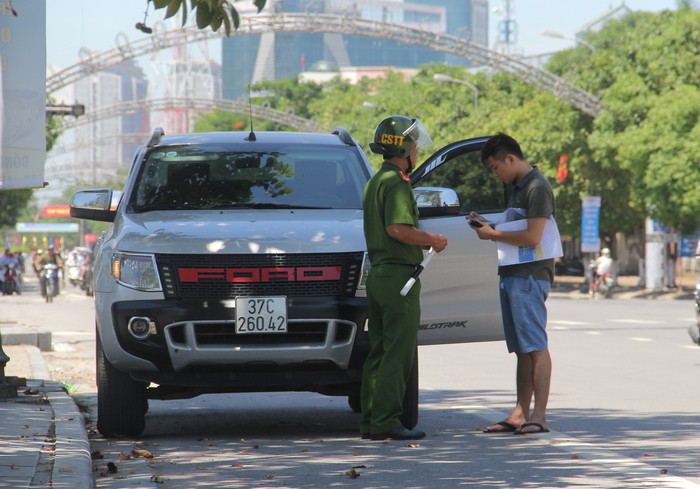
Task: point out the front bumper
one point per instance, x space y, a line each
194 334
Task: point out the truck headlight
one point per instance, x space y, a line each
136 270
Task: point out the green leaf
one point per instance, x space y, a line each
204 15
236 21
161 3
173 7
260 4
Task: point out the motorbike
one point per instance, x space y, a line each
10 280
49 281
73 274
601 284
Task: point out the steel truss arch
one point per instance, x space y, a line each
313 22
147 105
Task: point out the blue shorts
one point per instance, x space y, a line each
524 313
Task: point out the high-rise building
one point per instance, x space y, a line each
251 58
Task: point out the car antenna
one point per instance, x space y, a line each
251 136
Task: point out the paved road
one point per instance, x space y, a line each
623 411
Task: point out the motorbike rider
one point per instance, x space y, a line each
6 259
603 266
52 256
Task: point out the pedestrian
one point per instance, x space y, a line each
394 245
524 287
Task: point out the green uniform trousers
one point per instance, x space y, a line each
393 330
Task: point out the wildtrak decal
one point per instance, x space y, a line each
449 324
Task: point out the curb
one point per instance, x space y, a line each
20 336
72 466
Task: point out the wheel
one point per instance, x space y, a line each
121 401
409 416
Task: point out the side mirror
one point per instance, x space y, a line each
437 201
94 205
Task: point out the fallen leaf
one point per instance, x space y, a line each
97 455
650 455
413 445
664 471
12 466
270 476
123 456
111 468
62 469
141 453
356 454
256 447
244 451
201 468
237 465
575 457
305 450
25 426
352 473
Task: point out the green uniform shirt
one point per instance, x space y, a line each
388 199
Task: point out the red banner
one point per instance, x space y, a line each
55 211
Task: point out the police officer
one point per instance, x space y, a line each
394 245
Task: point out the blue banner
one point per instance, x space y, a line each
590 220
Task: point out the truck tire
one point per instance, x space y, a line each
409 417
121 401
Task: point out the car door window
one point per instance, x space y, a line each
458 166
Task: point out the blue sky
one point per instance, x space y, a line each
95 23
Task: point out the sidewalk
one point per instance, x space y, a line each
627 288
43 442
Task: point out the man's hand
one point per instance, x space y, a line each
439 242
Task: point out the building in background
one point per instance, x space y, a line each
248 59
186 78
95 152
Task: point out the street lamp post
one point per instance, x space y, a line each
557 35
438 77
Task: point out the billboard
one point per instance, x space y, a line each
22 94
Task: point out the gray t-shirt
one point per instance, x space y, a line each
533 193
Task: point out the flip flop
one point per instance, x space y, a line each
508 428
540 429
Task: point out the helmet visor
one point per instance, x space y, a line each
418 134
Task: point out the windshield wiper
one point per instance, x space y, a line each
264 205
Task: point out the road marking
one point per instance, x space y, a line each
637 338
593 332
639 474
570 323
637 321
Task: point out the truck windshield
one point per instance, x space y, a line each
207 177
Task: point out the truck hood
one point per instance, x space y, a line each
241 231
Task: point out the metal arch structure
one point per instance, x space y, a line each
147 105
314 22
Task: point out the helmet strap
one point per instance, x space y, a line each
410 165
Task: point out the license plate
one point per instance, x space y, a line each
261 315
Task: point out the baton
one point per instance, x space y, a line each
418 271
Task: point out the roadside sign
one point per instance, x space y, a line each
55 211
590 220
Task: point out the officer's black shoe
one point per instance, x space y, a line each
399 433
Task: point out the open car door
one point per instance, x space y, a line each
459 299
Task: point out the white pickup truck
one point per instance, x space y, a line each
235 262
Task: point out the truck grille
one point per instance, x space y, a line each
228 276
